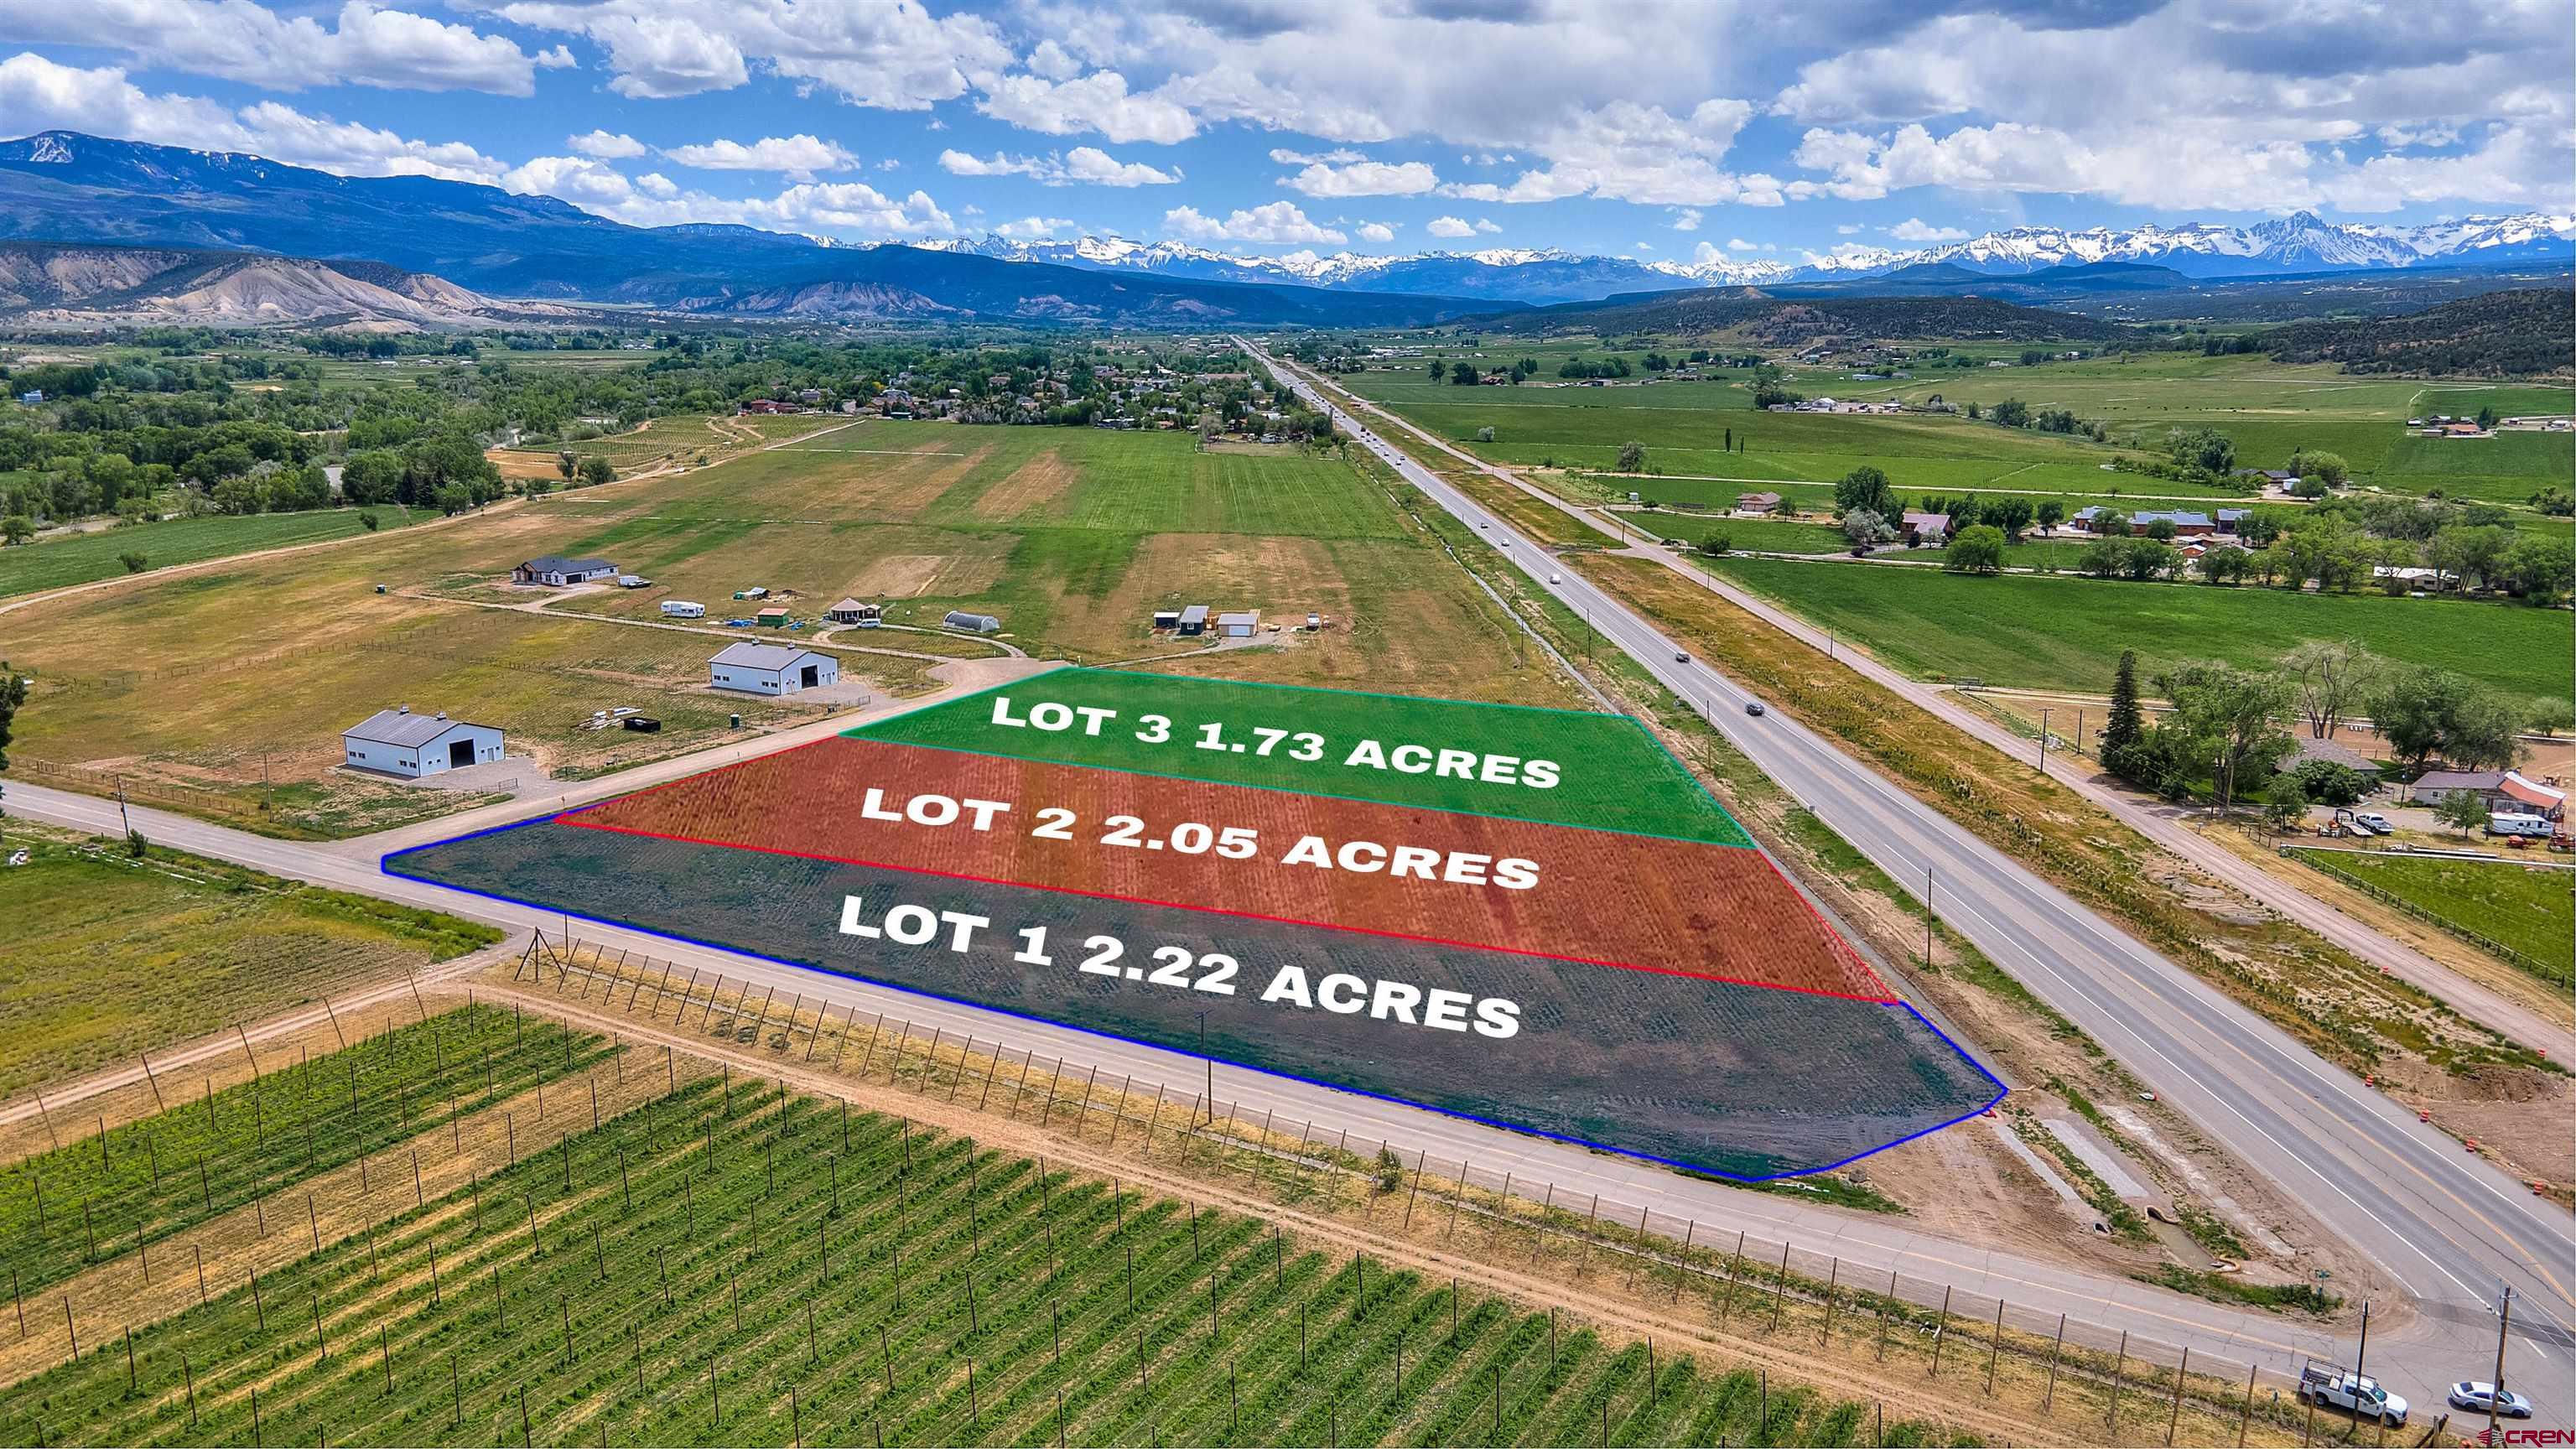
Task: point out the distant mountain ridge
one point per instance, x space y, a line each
45 284
67 187
64 187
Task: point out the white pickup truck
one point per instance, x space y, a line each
2358 1393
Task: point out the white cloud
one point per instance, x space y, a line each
1051 61
799 157
1450 227
893 55
1375 231
1280 223
608 146
37 94
1338 156
1916 229
1686 218
848 210
1624 151
1849 228
1363 178
1097 102
1035 228
1736 244
240 41
1083 165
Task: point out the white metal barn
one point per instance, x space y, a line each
771 669
398 742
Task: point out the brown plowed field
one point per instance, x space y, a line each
1624 900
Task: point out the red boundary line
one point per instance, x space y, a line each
567 819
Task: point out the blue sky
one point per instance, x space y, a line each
1652 128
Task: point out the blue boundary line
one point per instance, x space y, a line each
1743 840
385 864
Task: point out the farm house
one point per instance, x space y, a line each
399 742
771 669
556 571
851 611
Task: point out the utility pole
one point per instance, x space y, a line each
2043 741
1927 918
121 814
2504 1320
1211 1068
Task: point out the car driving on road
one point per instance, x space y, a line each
2478 1396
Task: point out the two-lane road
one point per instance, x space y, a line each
2440 1221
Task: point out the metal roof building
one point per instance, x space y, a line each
771 669
399 742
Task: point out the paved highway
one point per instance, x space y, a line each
2443 1223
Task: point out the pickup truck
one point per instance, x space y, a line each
2358 1393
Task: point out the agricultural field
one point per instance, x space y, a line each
170 1172
672 1277
211 682
679 441
2526 909
91 939
81 558
1744 535
2043 631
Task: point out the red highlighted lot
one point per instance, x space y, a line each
1714 912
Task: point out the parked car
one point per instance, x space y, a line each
2376 821
2477 1395
2344 1389
642 724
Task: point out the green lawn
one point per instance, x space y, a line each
2053 631
102 956
60 563
2528 909
1758 535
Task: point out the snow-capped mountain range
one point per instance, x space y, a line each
2303 242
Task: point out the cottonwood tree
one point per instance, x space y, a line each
2330 678
2233 714
2462 810
1976 550
1866 530
2424 713
1865 487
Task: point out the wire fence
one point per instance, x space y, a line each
2488 944
1744 1283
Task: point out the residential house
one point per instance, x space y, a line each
556 571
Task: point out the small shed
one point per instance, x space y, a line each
972 623
556 571
773 617
771 669
1194 619
851 611
399 742
1166 619
1241 625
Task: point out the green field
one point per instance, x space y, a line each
142 1183
1612 775
102 956
2526 909
672 1277
225 679
2062 632
62 562
2271 411
1753 535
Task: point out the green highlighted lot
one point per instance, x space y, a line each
1555 767
2528 910
2058 632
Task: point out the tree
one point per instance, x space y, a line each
2224 565
2331 782
135 844
1632 457
13 693
2206 449
2327 468
453 498
2011 514
1866 530
2232 715
2487 418
567 463
2147 559
17 528
372 476
2461 810
2050 513
1717 545
2012 412
1978 549
596 470
1484 435
2423 713
2329 679
2550 714
369 521
2162 530
2285 801
134 562
2538 569
2128 723
1866 487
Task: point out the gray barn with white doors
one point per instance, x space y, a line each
399 742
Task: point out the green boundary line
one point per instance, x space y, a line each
1740 840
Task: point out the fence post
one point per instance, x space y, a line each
2050 1397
